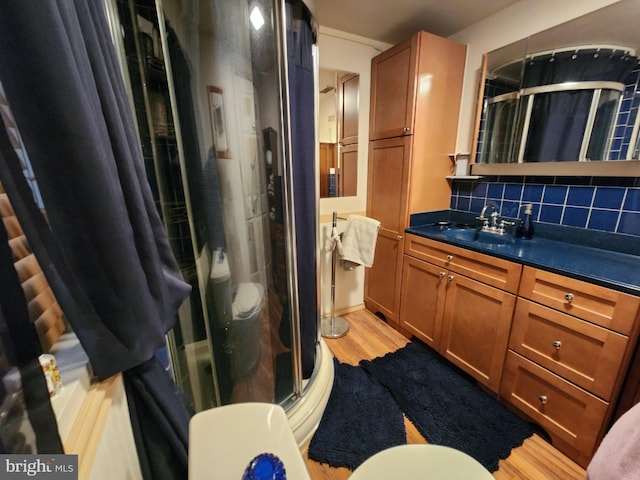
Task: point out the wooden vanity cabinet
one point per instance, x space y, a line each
456 302
415 100
569 349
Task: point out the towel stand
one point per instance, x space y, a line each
334 327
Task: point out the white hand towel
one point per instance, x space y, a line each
358 243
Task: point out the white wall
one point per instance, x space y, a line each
327 124
519 21
343 51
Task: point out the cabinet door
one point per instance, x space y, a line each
387 203
348 86
475 328
393 80
349 171
422 301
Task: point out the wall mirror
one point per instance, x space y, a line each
564 101
338 132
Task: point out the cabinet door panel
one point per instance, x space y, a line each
475 328
349 171
581 352
393 78
572 416
382 281
422 301
387 183
387 203
348 99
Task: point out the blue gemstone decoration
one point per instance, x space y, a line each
265 466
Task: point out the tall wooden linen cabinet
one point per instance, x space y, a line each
416 88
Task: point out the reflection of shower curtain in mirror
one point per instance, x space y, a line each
558 119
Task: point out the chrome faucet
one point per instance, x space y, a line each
493 223
484 210
490 223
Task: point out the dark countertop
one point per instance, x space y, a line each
607 259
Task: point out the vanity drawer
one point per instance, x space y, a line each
600 305
570 415
583 353
427 250
493 271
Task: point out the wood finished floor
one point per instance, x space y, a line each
370 337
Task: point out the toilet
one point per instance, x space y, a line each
239 315
224 440
244 343
421 461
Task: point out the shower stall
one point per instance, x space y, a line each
222 93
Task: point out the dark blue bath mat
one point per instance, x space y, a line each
447 408
361 419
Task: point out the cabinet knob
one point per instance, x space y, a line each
557 344
450 277
449 258
543 399
442 274
568 297
398 237
406 129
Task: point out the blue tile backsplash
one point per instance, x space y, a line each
596 203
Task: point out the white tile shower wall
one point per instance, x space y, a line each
605 204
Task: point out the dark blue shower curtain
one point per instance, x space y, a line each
300 39
102 247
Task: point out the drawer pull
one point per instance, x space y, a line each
568 297
557 344
449 258
543 399
450 277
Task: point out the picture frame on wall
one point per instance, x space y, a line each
218 121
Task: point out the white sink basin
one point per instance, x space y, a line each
223 440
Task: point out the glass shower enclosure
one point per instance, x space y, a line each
207 82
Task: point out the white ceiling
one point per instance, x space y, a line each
392 21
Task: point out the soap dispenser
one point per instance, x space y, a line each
525 229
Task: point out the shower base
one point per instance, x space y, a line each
304 416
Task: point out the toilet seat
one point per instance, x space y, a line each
421 461
248 300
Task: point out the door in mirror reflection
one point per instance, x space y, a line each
339 97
